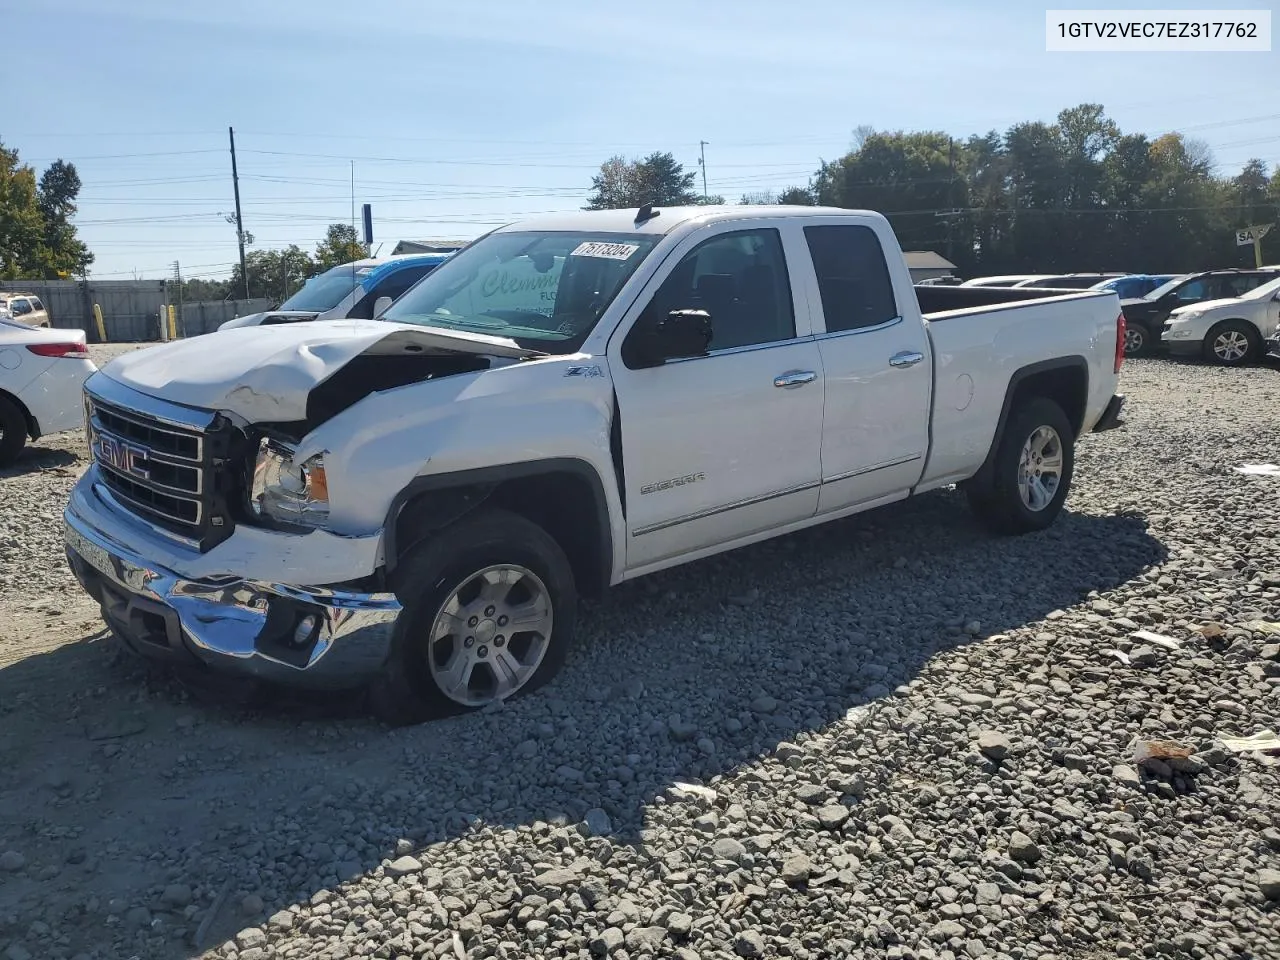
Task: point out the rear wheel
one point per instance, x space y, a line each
489 612
1032 471
1232 343
1137 340
13 431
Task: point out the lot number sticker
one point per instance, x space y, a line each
610 251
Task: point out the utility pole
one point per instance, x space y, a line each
702 162
235 181
951 195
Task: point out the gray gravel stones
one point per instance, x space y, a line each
1126 774
609 940
993 745
597 823
748 944
403 865
1023 849
833 816
796 870
11 861
845 809
1269 883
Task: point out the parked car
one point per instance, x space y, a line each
947 281
1145 316
1134 285
570 402
1228 332
351 290
42 375
1068 281
25 308
1007 280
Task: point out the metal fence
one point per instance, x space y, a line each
131 309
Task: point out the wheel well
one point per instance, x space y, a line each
568 503
1065 382
33 428
1251 330
1067 386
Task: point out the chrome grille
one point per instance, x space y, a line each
153 467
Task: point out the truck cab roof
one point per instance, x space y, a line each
664 220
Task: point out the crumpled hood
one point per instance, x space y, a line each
264 374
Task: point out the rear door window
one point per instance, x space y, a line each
853 277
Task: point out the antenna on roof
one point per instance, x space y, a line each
646 213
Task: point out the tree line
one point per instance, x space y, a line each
1074 195
277 274
37 238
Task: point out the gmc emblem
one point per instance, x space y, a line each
122 456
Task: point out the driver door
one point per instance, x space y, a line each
720 447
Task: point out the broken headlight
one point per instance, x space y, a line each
287 491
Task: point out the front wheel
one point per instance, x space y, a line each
13 432
489 608
1232 343
1032 471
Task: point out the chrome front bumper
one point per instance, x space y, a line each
231 624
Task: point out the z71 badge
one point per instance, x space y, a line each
673 482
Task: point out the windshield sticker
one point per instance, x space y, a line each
610 251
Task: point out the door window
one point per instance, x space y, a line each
394 285
741 280
36 304
1194 291
1241 283
853 277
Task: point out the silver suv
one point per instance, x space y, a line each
24 308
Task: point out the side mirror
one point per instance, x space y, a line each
380 306
678 335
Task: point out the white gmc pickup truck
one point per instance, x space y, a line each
415 503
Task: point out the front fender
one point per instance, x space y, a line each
507 415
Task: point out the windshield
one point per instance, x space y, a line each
326 291
544 290
1164 288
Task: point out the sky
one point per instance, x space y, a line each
459 116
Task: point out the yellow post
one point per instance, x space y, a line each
173 323
97 317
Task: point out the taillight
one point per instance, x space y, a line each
1120 329
73 350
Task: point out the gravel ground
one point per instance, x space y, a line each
893 736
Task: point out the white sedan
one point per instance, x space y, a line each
42 374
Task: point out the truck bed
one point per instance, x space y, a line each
1004 333
936 302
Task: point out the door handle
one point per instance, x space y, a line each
907 358
794 378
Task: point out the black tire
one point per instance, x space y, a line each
999 503
1137 340
406 691
13 432
1230 331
